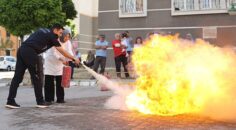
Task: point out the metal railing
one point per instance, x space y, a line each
196 5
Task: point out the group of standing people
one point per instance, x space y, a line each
28 57
122 46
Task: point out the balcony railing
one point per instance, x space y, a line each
185 7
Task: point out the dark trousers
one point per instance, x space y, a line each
72 65
129 52
27 58
100 61
40 69
118 60
49 88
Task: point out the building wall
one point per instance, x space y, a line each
13 38
159 18
86 22
88 32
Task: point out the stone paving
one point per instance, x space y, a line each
85 110
89 113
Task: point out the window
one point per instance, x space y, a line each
132 8
188 7
212 4
8 35
1 58
13 60
9 59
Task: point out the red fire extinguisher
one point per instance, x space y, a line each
66 77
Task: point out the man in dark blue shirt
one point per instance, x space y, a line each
27 58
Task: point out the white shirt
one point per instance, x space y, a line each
137 45
68 47
124 42
52 64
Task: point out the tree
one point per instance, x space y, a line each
69 9
21 17
72 26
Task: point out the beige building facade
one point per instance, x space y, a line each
8 43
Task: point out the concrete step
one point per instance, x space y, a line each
81 73
84 82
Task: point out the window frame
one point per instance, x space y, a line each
138 14
195 12
2 58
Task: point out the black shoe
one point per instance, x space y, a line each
49 102
61 101
43 104
12 105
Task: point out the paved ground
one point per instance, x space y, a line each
84 110
29 117
5 77
6 74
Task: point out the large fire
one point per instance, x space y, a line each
177 76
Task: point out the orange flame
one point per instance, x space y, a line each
177 76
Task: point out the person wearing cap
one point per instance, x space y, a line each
27 58
54 63
101 54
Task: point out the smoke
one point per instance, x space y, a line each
117 101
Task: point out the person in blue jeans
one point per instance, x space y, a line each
101 54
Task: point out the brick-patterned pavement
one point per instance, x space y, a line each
90 114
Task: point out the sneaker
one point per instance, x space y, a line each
12 105
43 104
61 101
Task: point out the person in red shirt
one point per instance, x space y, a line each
120 56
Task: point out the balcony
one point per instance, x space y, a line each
193 7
